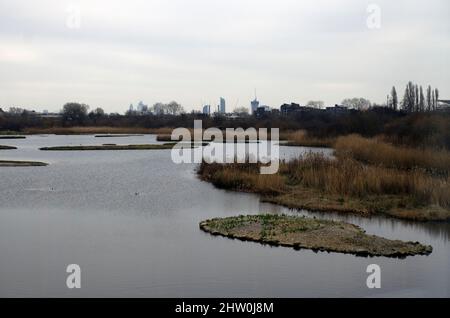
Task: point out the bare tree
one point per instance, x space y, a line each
174 108
421 100
416 98
433 94
315 104
16 111
74 113
357 103
394 98
429 99
159 109
436 94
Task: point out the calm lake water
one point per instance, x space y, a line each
130 220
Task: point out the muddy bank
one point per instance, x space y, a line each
7 147
115 147
8 163
12 137
117 136
313 234
93 130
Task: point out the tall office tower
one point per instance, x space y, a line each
207 110
222 105
254 104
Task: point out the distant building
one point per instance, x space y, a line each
443 105
46 114
286 109
207 110
222 108
337 110
275 111
142 108
254 105
262 111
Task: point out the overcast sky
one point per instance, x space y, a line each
195 51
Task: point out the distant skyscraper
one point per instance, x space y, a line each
222 105
141 107
254 104
207 109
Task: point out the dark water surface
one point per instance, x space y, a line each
130 220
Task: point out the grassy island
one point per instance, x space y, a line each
313 234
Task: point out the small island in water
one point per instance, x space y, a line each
7 147
311 233
13 163
118 147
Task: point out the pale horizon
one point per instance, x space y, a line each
195 52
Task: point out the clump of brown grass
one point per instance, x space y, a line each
334 181
348 177
376 152
165 138
242 177
301 138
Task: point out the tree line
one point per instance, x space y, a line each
414 99
172 108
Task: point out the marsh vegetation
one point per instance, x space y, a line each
366 177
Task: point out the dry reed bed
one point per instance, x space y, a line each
348 177
376 152
345 185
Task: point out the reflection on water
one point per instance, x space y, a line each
130 220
